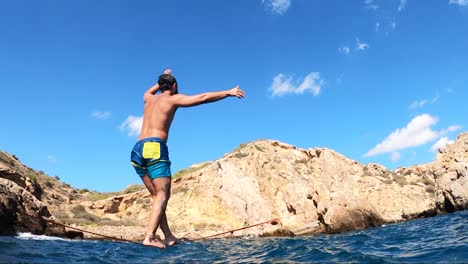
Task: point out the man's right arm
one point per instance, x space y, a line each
181 100
154 89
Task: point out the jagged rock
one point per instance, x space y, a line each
17 205
11 169
451 179
21 209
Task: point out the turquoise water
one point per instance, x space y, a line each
441 239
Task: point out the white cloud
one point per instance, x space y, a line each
101 115
395 156
450 129
51 158
416 133
371 4
441 144
345 49
435 99
278 6
284 84
361 45
418 103
421 103
132 125
459 2
386 13
402 5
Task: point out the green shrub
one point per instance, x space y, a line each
258 148
427 181
146 200
179 189
33 177
4 158
241 146
78 209
400 179
80 212
134 188
84 190
402 182
95 196
61 215
365 171
107 221
386 175
189 170
240 155
387 181
301 161
430 189
48 183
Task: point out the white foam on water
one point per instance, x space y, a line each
29 236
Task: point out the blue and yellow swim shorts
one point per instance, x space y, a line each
151 156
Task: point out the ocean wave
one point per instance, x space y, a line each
441 239
29 236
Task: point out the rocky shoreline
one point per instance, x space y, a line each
306 191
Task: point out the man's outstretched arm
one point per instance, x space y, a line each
181 100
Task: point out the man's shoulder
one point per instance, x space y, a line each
175 97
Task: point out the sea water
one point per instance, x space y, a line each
440 239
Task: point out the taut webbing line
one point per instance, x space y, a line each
273 221
79 229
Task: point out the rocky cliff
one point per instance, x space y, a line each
20 207
306 191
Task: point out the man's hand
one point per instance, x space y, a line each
237 92
167 71
154 88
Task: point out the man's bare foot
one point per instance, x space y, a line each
172 240
151 241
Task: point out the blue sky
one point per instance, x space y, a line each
378 81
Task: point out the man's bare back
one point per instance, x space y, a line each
158 114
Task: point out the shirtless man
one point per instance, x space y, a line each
150 155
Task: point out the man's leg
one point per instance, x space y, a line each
159 189
170 238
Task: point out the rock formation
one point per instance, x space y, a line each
299 191
307 191
450 173
20 207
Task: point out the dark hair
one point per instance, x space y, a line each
166 81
